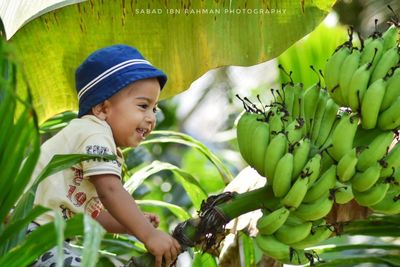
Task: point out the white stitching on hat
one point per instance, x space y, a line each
110 71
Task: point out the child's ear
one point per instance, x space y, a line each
101 110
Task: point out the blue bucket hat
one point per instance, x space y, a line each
108 70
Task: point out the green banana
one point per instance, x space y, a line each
269 223
301 150
295 130
322 186
390 119
343 193
272 247
326 161
372 196
391 161
294 219
298 95
358 86
292 233
333 67
275 121
343 136
280 251
295 196
283 175
297 257
310 97
392 90
328 142
275 150
346 167
390 204
388 60
371 103
289 96
362 181
350 65
319 113
336 95
252 126
243 134
365 137
259 144
315 210
375 151
372 52
312 169
390 37
328 120
317 235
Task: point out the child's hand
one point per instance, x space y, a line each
152 218
162 246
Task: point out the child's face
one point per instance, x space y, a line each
131 114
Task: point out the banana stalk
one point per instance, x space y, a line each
207 229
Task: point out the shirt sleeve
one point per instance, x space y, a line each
100 145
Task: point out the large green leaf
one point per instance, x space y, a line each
184 139
192 187
387 225
390 260
185 44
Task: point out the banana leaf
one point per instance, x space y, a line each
379 225
192 187
184 139
387 260
206 34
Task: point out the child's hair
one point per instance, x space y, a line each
108 70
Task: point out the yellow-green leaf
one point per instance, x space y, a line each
184 38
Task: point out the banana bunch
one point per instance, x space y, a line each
292 166
367 79
319 146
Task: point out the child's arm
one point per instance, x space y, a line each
123 208
113 226
110 223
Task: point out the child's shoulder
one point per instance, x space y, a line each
90 124
79 130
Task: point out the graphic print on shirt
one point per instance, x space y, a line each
93 207
76 197
100 150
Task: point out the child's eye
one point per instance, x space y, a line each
155 110
143 106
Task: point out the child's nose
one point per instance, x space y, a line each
151 117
